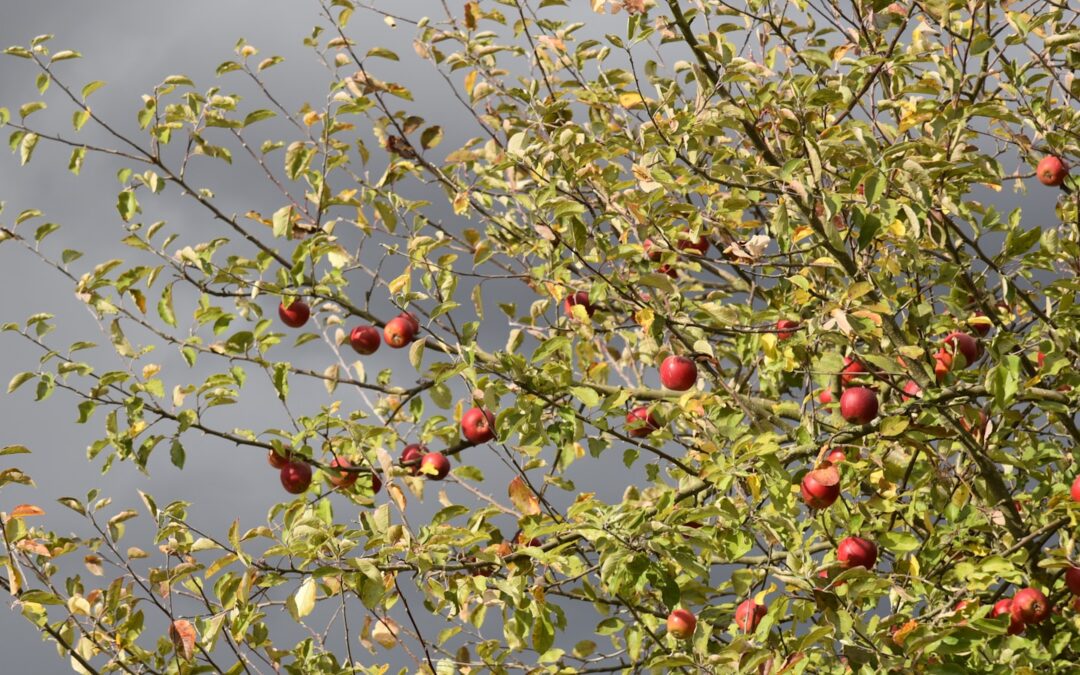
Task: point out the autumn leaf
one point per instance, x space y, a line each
182 634
523 497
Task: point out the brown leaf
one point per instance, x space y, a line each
93 563
26 510
385 632
182 634
523 498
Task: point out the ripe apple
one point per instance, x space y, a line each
579 298
1040 358
825 397
295 315
640 422
678 373
943 361
785 328
435 466
296 477
413 452
1029 605
365 339
400 331
962 343
821 486
748 614
343 479
1076 489
700 246
857 552
1072 580
1003 607
277 461
478 425
836 455
852 369
911 390
652 251
681 624
859 405
1052 171
980 324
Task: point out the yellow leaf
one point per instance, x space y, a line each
385 632
470 82
523 497
630 99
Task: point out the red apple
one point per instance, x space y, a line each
859 405
400 331
852 369
343 479
980 324
1076 489
478 425
277 461
943 361
413 453
652 251
435 466
1072 580
785 328
296 477
295 315
825 397
1040 358
836 455
748 614
681 624
365 339
962 343
821 486
579 298
678 373
911 390
1029 605
691 246
640 422
1052 171
857 552
1003 607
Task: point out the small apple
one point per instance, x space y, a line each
943 361
413 452
578 298
859 405
277 461
748 615
640 422
962 343
341 479
1029 605
652 251
678 373
365 339
836 456
296 477
295 315
681 624
852 368
911 390
785 328
1003 607
857 552
1040 358
820 487
980 324
1052 171
825 397
478 425
400 331
700 246
435 466
1072 580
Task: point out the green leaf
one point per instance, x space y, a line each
586 395
127 205
281 379
19 380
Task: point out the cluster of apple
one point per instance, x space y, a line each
296 473
682 623
399 332
477 426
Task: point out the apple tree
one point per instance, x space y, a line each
771 267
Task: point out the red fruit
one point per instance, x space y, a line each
1072 580
911 390
859 405
478 425
579 298
296 477
700 246
785 328
857 552
821 486
1041 359
852 369
1076 489
942 364
640 422
1052 171
825 397
678 373
344 479
435 466
962 343
1003 607
376 482
277 461
400 331
1029 605
651 251
365 339
413 453
981 324
681 624
961 605
748 615
836 456
295 315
